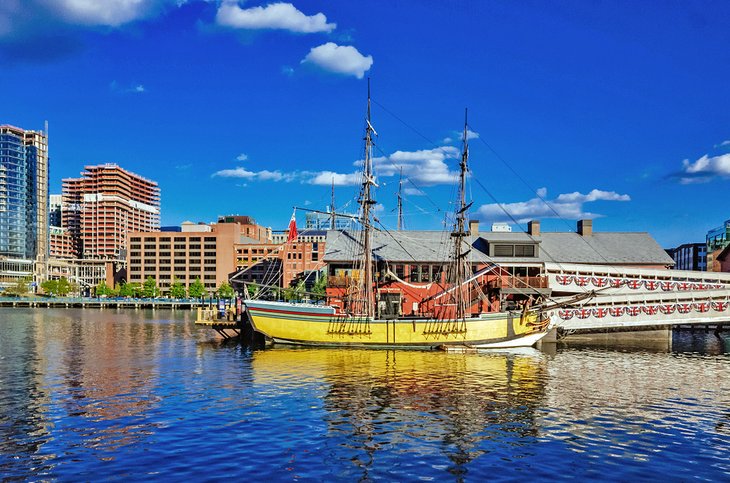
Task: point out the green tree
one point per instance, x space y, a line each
177 289
116 291
320 286
64 287
103 289
253 290
20 288
149 289
132 289
196 289
50 287
225 291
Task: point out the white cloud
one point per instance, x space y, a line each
264 175
139 88
326 178
423 167
96 12
414 192
284 16
566 205
242 157
341 59
705 169
459 135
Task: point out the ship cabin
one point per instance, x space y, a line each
411 270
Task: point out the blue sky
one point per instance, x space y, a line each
612 110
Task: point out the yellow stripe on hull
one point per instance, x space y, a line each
289 326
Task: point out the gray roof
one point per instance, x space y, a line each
395 246
603 248
434 247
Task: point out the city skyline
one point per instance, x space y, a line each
253 108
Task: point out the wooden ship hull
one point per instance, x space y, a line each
320 325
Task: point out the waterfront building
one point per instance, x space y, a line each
104 205
690 256
408 257
717 239
61 243
206 254
23 203
23 193
281 264
55 206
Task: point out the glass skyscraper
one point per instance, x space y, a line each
23 194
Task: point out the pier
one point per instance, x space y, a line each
100 303
639 299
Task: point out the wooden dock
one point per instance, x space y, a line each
100 303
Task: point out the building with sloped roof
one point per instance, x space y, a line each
507 265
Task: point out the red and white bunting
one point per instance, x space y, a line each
616 311
600 312
702 286
633 310
684 308
599 281
650 309
702 306
564 279
720 306
583 313
667 286
683 286
667 309
581 281
651 284
633 284
566 314
616 282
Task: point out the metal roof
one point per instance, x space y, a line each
434 247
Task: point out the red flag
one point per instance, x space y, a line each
292 227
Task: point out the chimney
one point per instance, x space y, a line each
474 228
585 227
533 227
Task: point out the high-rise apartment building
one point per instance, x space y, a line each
104 205
23 194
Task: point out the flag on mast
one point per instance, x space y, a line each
292 227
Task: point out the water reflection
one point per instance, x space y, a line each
138 395
377 403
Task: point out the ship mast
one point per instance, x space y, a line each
400 200
365 303
332 206
459 234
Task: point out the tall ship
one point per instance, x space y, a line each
363 309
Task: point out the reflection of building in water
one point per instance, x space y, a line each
380 400
25 399
603 395
101 369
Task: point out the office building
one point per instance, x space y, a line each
690 256
23 194
105 204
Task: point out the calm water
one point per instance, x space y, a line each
106 395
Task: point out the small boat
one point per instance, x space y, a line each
452 321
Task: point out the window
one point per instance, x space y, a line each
524 250
504 251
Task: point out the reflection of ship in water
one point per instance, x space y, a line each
376 402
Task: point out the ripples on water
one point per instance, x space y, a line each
90 395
